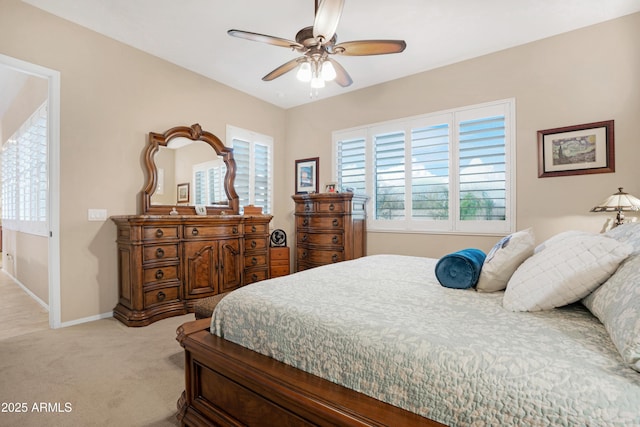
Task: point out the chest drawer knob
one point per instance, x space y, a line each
159 274
253 229
194 231
159 232
331 207
161 296
254 261
334 239
334 258
305 237
234 230
253 244
304 254
159 253
335 222
254 277
305 222
307 207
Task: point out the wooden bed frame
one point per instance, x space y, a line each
229 385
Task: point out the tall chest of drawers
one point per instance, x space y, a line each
166 263
330 227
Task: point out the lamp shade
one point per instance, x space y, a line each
617 202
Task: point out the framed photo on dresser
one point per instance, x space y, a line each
307 175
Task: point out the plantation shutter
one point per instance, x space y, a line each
241 154
389 175
351 165
482 164
262 177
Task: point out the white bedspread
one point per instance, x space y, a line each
382 325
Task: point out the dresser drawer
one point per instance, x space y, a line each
326 222
279 270
330 207
164 232
255 229
321 238
319 256
255 260
151 253
255 276
255 244
199 232
160 274
307 206
279 253
161 296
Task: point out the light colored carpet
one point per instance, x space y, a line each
100 373
19 313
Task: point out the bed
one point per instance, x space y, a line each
379 341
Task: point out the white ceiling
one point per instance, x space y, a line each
193 34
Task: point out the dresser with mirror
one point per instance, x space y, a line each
189 240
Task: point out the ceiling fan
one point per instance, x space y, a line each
318 43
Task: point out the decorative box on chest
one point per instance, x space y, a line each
330 227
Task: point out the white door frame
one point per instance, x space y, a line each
53 129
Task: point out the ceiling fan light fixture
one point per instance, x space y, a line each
317 82
304 72
328 72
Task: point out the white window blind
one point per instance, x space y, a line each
253 154
25 176
449 171
208 186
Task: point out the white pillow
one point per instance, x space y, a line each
505 257
564 272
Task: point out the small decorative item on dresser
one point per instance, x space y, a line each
278 238
252 210
330 187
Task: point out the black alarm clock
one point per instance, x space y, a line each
278 238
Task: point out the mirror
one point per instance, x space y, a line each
186 166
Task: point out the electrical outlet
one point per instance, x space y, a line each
97 215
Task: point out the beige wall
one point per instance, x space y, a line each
579 77
112 96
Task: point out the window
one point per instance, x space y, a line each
208 183
25 176
254 165
450 171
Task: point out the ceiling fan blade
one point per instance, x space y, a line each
276 41
369 47
342 77
284 68
327 17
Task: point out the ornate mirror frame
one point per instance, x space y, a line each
194 133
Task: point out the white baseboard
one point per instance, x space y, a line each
29 292
87 319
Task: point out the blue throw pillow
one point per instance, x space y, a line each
460 270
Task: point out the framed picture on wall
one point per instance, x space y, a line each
576 150
183 193
307 175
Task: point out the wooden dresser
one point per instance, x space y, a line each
167 262
330 227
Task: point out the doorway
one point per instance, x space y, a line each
25 69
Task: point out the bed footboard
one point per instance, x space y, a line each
229 385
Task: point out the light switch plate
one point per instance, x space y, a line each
97 215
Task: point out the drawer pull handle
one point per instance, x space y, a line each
194 231
304 254
253 229
254 261
253 244
334 239
304 237
159 232
159 253
159 274
234 230
161 296
331 207
305 222
254 277
335 222
334 258
307 207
